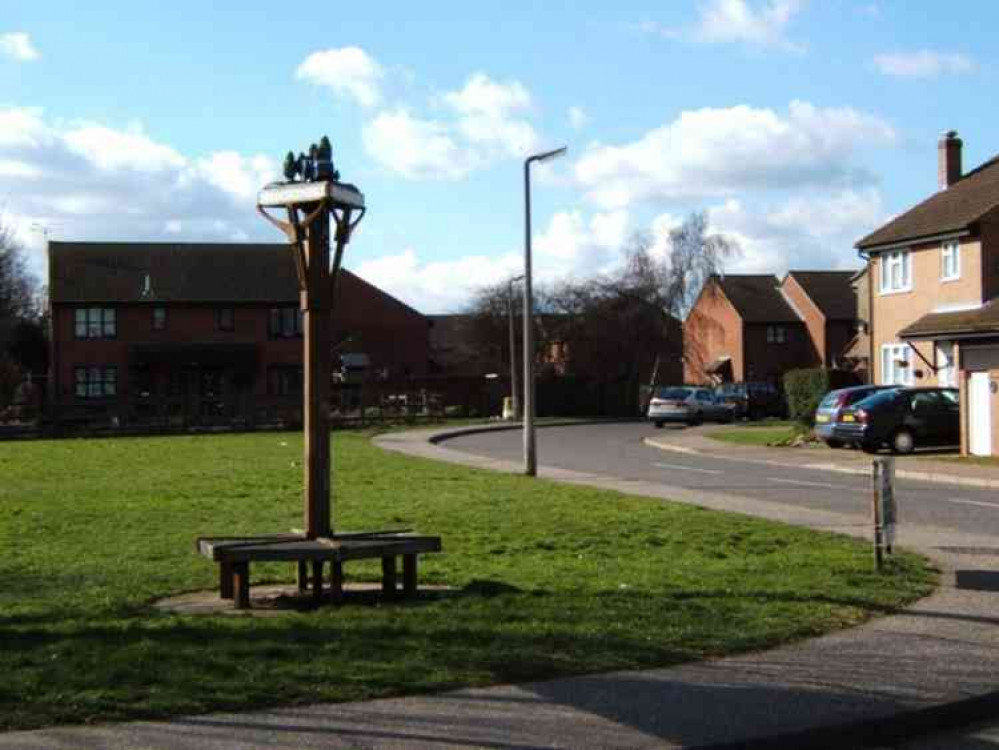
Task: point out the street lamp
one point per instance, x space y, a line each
530 447
514 398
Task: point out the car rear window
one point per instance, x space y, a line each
674 393
829 401
878 399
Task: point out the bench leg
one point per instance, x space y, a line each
388 577
336 581
303 576
409 577
241 584
225 580
317 581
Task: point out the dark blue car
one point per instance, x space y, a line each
903 419
830 410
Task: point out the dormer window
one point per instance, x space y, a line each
950 261
896 272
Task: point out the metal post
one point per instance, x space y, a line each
316 307
514 396
878 467
530 449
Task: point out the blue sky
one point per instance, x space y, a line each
798 125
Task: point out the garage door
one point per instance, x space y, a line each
980 414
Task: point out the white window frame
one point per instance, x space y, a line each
891 373
950 255
901 259
776 335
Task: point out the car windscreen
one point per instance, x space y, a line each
677 394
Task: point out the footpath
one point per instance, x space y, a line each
932 667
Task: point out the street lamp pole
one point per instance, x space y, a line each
514 397
530 446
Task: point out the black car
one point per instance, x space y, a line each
903 419
831 409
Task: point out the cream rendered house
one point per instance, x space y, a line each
934 294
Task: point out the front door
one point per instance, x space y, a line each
979 415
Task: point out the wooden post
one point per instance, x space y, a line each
225 580
388 577
878 541
317 581
316 307
409 576
336 581
303 576
241 583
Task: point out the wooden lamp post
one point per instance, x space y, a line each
311 196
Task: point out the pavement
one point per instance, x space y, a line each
932 668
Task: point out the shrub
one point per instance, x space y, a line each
806 388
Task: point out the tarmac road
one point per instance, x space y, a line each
617 450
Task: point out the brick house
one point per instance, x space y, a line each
934 294
204 332
741 329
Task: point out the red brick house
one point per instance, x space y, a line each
934 293
205 332
754 328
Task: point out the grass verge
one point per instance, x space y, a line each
764 434
551 580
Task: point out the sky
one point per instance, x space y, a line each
797 125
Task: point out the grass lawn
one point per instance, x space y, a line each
550 579
765 433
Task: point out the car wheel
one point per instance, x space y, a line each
903 442
659 425
834 443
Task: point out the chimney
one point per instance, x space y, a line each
949 159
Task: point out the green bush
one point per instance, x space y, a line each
806 388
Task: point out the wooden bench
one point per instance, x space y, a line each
234 555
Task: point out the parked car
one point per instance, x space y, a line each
827 416
903 419
688 404
753 400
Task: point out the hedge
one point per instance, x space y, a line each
805 389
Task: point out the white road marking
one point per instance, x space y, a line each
805 484
688 468
962 501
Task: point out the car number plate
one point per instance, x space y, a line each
848 418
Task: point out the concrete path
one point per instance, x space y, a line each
933 666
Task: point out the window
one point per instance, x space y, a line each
225 319
96 382
946 371
896 364
896 272
285 322
96 323
284 381
776 335
159 318
950 266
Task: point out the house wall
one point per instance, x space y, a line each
894 311
989 233
815 321
713 329
769 362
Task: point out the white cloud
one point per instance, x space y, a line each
415 148
923 64
657 29
437 286
477 125
760 25
104 183
347 70
710 152
17 46
578 118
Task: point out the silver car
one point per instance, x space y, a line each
688 404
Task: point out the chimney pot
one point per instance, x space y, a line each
949 159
